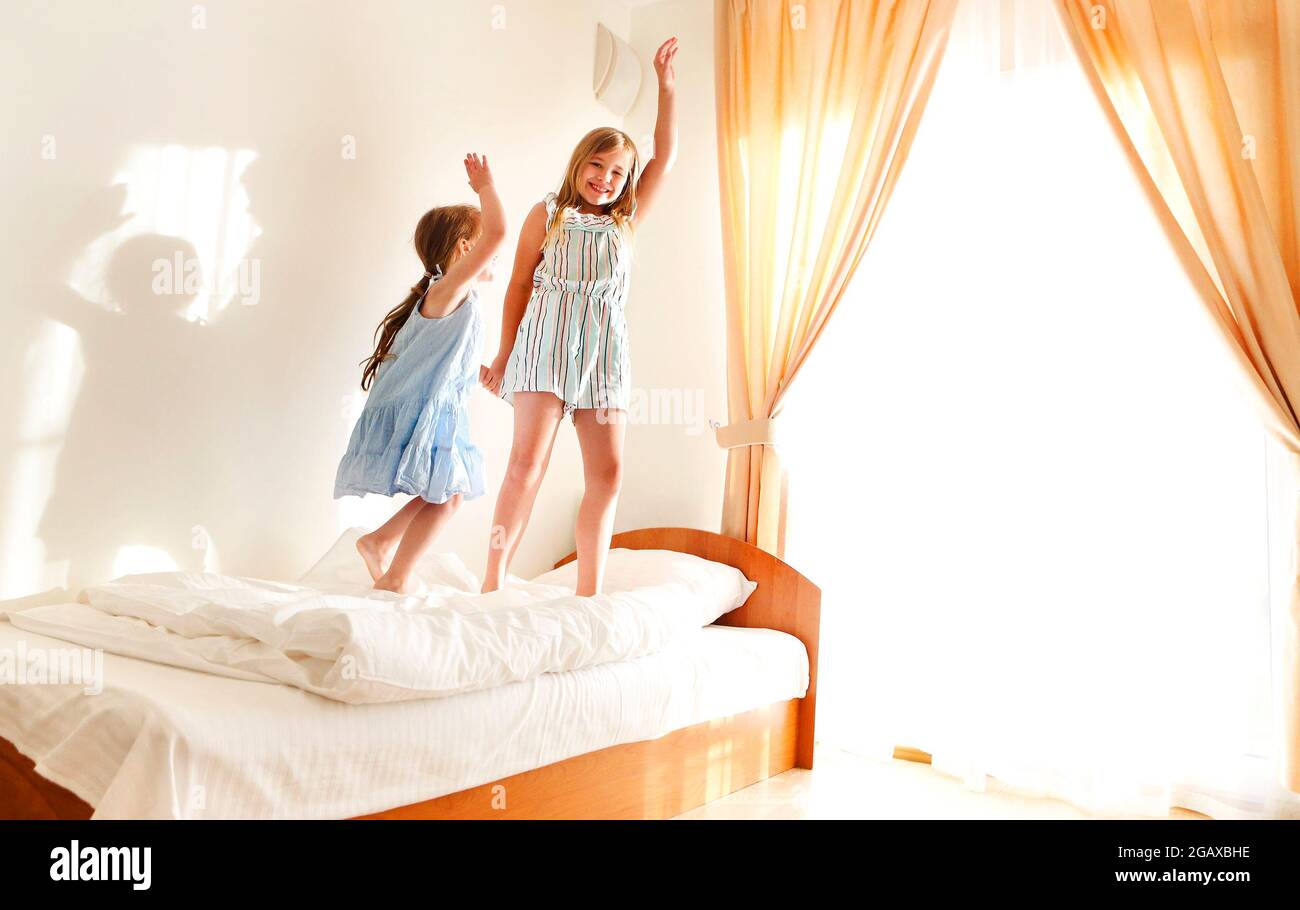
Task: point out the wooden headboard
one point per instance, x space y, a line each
784 600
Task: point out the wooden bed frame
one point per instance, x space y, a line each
656 778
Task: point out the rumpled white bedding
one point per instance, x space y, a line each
163 742
463 689
365 647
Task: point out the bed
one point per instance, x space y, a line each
645 738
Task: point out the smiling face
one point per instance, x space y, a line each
602 176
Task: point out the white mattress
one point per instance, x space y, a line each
164 742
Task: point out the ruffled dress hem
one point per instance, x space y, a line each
422 450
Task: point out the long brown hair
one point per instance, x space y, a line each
436 237
601 139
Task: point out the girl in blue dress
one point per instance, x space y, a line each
413 434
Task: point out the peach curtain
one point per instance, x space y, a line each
817 105
1204 95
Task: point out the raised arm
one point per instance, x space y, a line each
520 289
665 150
450 290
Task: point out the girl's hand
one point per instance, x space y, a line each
664 64
492 376
476 168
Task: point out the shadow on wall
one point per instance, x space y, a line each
142 429
114 485
163 379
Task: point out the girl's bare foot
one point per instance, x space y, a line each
374 555
388 582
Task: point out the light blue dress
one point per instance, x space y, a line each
413 434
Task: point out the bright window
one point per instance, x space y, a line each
1022 470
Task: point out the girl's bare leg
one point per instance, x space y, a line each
377 547
600 436
419 534
537 416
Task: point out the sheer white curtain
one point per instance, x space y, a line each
1023 472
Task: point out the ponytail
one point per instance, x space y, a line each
387 330
437 235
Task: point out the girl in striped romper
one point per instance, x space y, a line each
564 336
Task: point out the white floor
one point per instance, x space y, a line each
845 786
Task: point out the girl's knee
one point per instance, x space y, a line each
607 478
524 471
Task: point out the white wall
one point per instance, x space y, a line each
215 444
674 471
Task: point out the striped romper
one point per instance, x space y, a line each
572 340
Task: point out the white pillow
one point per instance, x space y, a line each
713 588
343 566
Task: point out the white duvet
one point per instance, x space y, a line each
343 642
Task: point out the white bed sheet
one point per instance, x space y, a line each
165 742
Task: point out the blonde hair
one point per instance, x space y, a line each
599 140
